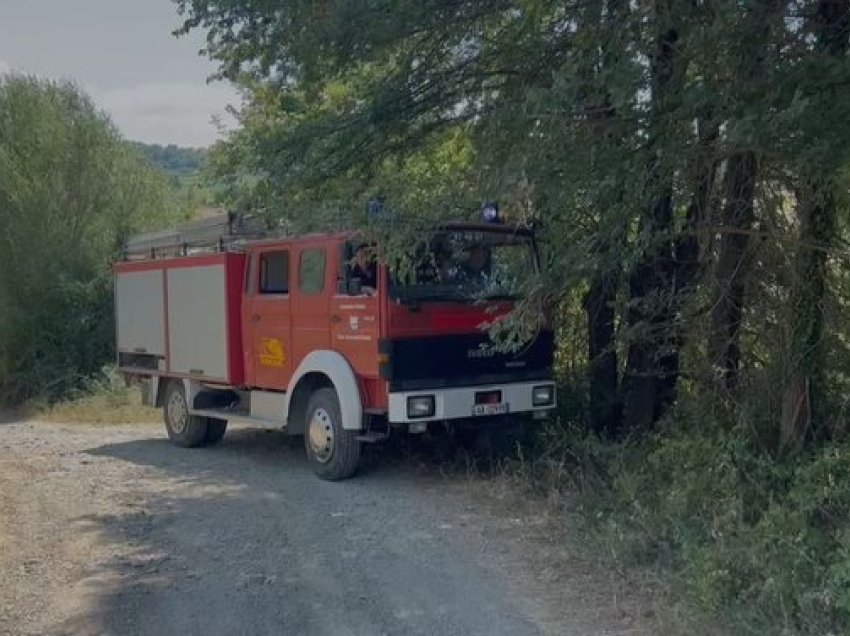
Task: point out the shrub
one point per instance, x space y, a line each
760 543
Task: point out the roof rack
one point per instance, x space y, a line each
229 231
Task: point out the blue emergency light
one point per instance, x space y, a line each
490 212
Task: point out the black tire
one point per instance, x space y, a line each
183 429
215 430
333 451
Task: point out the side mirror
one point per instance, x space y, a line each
355 287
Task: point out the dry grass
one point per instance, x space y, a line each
540 502
542 517
115 406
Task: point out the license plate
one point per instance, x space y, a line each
490 409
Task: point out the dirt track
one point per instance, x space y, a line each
111 530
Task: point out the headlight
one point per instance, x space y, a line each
419 406
543 395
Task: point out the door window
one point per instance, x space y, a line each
311 272
274 273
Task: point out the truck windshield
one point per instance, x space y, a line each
466 265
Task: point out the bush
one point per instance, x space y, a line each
760 543
103 398
71 191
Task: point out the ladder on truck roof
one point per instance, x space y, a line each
218 233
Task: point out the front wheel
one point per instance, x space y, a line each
183 428
333 451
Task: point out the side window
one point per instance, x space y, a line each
274 273
311 272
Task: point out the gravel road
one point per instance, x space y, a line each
111 530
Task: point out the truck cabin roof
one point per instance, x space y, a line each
168 244
461 226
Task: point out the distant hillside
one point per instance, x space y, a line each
181 163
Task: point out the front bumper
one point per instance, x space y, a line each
455 404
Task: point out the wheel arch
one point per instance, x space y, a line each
154 390
196 396
324 369
158 387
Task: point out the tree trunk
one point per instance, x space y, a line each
732 267
650 283
602 355
686 254
648 320
599 308
818 215
738 213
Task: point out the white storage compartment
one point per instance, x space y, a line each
197 321
181 317
139 312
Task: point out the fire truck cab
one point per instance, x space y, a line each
315 334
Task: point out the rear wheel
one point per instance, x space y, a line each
215 430
333 451
183 428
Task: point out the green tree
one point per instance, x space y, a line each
71 191
655 139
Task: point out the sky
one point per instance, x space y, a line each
153 85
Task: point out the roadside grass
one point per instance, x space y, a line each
568 474
732 538
542 498
104 400
547 497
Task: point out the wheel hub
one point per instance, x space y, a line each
320 435
177 413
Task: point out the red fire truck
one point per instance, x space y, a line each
221 324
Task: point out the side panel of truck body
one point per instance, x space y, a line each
181 317
197 321
140 313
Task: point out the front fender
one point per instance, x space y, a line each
339 372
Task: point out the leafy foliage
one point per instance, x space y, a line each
71 191
655 139
756 545
178 162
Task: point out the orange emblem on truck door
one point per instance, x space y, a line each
272 354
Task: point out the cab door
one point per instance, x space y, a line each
354 321
268 320
310 293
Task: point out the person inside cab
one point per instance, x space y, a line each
365 269
476 268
